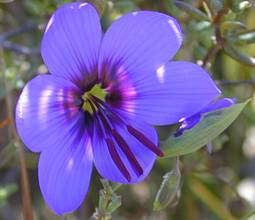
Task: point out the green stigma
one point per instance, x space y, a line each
96 91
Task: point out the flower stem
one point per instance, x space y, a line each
26 198
209 56
109 201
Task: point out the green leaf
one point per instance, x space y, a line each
249 216
216 5
6 191
211 125
201 191
232 25
238 55
114 204
240 5
247 37
109 201
169 188
194 12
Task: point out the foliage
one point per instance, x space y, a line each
220 36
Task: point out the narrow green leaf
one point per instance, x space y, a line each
168 189
194 12
249 216
240 5
216 5
232 25
109 201
211 125
201 191
238 55
6 191
114 204
207 10
247 37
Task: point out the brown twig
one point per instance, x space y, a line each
218 37
216 22
26 198
210 54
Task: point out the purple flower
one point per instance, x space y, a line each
101 98
190 122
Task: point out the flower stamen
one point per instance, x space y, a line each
130 156
145 141
134 132
117 160
112 137
105 123
96 91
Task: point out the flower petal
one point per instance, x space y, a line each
190 122
65 171
140 41
71 41
47 110
176 90
106 165
218 104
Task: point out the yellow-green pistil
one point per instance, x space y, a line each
95 91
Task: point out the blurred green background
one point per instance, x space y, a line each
220 185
